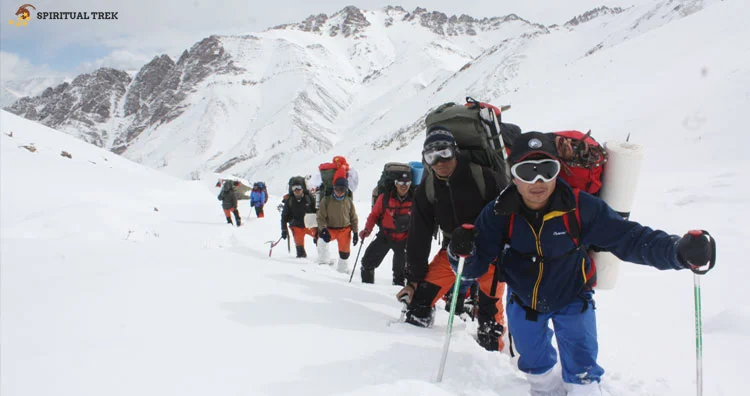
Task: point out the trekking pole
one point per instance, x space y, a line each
448 331
272 245
698 316
289 241
357 259
698 335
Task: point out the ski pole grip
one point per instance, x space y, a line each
712 260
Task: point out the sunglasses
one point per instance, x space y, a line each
402 183
530 171
433 156
296 188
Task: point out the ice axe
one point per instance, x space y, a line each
272 245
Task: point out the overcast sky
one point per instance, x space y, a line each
146 28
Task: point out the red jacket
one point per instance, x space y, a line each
396 211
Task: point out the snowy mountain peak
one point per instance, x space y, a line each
249 104
349 21
145 83
591 14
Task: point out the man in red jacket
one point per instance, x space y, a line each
391 213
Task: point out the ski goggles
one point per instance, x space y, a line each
340 189
403 183
530 171
435 155
296 188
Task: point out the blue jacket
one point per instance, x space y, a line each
257 198
542 266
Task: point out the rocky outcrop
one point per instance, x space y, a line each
87 102
146 82
160 87
591 14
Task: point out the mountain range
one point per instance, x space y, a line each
330 84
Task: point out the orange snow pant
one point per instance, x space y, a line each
440 273
300 232
228 212
344 238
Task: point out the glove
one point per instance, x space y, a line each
462 240
364 233
325 235
693 250
489 333
406 293
284 234
355 239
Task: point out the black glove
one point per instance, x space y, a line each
325 235
284 233
694 250
355 239
459 301
488 335
462 240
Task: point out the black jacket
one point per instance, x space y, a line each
228 198
295 210
457 201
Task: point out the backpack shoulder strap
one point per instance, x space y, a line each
478 175
509 233
572 220
429 188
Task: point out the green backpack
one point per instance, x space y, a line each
391 171
326 188
480 137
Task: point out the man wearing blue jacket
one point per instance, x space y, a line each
537 233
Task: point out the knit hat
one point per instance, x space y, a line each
406 176
531 143
438 137
341 182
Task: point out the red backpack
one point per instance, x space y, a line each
583 159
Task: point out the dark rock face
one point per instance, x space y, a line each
155 96
353 22
591 14
145 83
89 100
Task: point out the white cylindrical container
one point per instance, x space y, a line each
619 181
311 220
